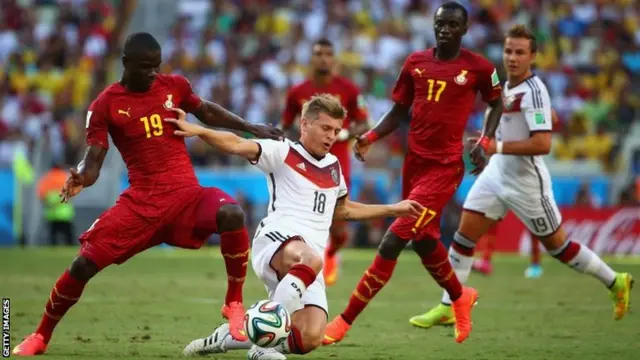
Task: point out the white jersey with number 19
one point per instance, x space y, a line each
519 183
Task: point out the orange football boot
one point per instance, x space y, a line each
234 313
462 312
335 331
31 345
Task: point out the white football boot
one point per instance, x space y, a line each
213 344
258 353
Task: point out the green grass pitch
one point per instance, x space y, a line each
152 306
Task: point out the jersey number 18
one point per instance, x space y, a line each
319 202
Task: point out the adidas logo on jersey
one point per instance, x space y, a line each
302 167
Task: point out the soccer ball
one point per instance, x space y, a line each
267 323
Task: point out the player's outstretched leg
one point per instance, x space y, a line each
582 259
65 293
234 246
472 227
370 284
337 240
534 270
434 258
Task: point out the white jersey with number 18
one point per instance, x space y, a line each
303 190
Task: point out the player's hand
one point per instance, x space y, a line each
480 151
267 132
187 129
73 186
361 147
409 208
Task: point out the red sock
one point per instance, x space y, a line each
438 265
535 251
65 293
234 246
296 346
569 252
306 274
336 243
490 244
370 284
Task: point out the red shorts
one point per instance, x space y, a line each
186 218
432 184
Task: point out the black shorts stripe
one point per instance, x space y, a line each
273 191
280 236
553 217
271 237
548 212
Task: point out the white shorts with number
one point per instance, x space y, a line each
263 250
534 206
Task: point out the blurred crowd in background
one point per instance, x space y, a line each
245 54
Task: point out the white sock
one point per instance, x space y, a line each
586 261
461 263
231 344
289 292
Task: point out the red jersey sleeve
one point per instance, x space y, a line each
97 123
356 107
190 101
488 81
291 109
403 89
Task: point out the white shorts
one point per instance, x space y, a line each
262 252
535 207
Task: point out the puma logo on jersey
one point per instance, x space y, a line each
301 166
418 71
122 112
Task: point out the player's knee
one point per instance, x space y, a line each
230 217
391 246
83 269
312 337
312 260
424 247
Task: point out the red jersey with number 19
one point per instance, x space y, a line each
443 94
156 159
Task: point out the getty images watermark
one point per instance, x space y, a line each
6 327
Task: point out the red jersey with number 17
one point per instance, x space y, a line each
443 94
157 161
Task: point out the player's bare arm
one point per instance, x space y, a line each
85 174
213 114
221 140
351 210
387 124
479 152
539 143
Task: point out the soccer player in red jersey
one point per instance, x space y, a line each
440 85
164 203
323 81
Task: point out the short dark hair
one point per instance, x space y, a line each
323 42
323 103
452 5
137 43
520 31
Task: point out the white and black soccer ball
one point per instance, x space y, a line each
267 323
